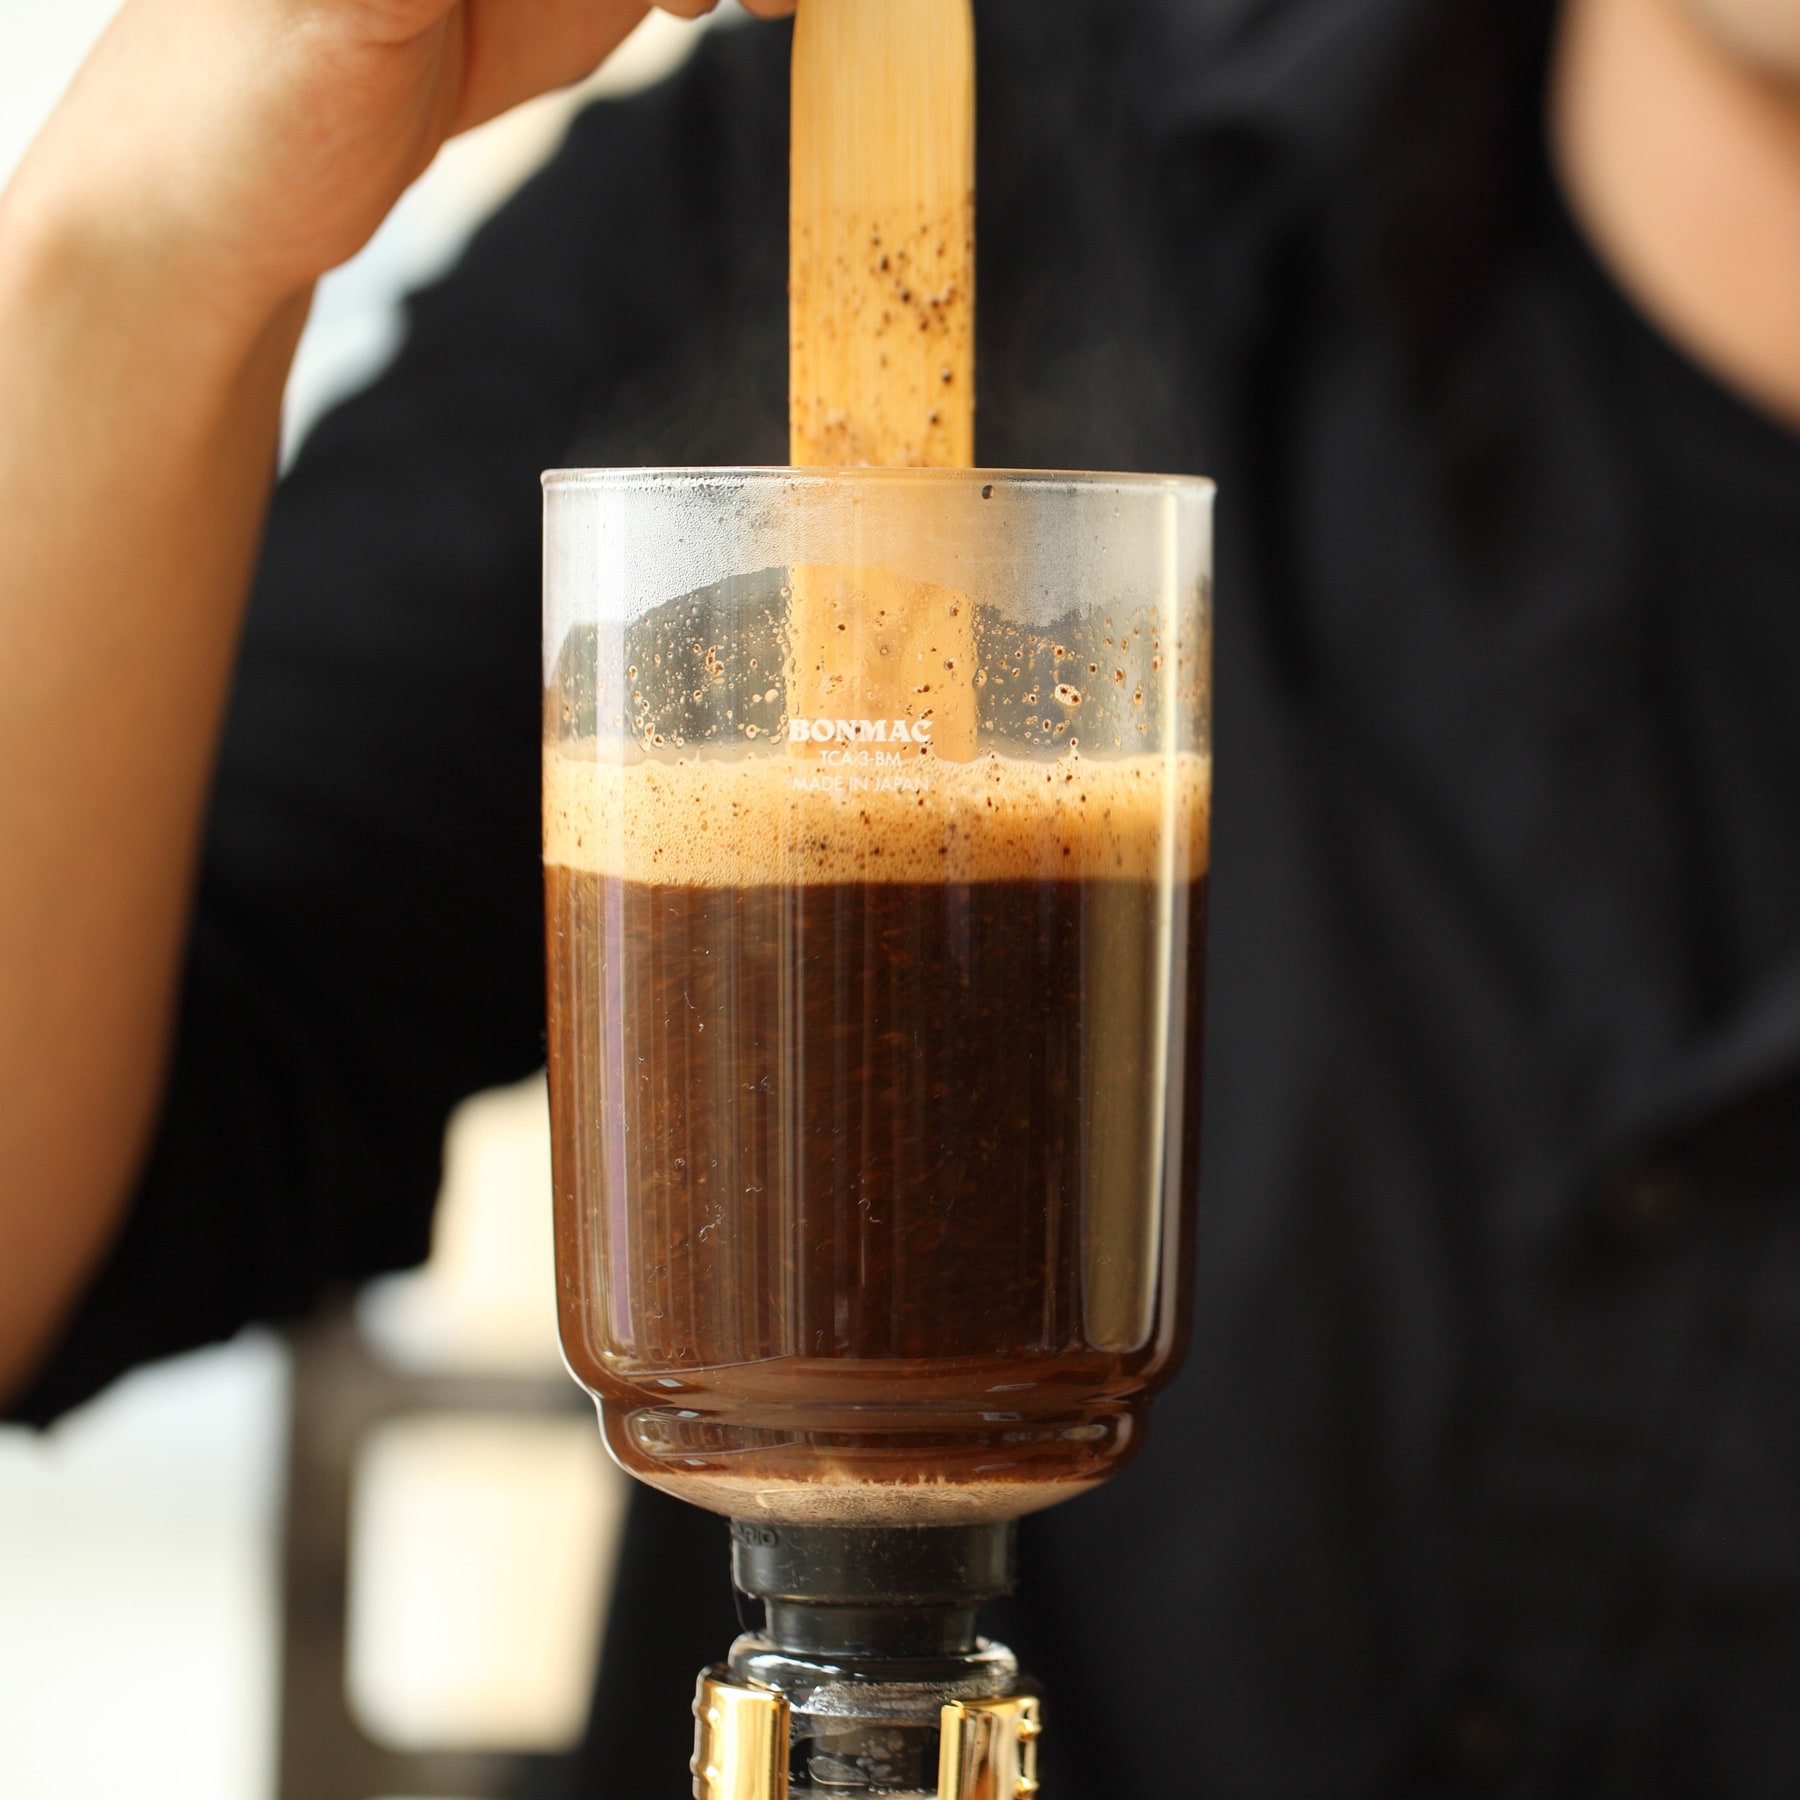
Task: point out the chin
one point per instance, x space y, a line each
1765 33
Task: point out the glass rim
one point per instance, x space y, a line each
562 480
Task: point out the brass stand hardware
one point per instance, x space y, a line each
741 1746
990 1750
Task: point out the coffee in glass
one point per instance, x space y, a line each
877 812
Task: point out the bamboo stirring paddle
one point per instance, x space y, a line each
882 337
882 240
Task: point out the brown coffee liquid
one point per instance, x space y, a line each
872 1194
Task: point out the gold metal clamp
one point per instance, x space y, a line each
741 1750
990 1749
741 1747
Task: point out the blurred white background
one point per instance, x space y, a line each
140 1540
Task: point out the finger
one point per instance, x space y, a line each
396 21
516 51
694 9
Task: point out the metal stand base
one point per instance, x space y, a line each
987 1749
869 1676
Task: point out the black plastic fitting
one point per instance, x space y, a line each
894 1593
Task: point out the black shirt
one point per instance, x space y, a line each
1479 1476
1718 487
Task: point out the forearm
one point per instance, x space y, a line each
138 423
213 158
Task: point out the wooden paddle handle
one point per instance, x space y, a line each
883 234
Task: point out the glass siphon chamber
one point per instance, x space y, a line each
876 847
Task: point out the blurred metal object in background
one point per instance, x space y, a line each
452 1520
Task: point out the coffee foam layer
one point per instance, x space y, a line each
775 820
827 1502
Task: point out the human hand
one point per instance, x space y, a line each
254 144
157 249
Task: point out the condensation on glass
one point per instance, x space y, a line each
876 840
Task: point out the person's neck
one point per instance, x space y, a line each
1681 162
